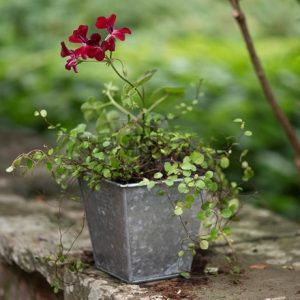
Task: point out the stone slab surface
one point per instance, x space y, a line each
265 263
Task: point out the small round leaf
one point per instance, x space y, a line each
43 113
10 169
204 244
224 162
226 213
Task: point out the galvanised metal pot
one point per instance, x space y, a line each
134 233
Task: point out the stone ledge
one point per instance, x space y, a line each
29 230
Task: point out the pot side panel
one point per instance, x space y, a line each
155 234
105 214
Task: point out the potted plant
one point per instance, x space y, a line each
145 185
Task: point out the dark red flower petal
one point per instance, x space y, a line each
82 51
91 51
95 39
96 52
106 23
64 50
111 21
71 64
120 33
100 55
101 23
79 35
109 44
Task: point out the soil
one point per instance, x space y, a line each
270 283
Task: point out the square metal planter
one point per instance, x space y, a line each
134 233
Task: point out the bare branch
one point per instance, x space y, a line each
240 18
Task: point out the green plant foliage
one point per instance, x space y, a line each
199 39
133 143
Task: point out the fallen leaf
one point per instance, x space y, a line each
258 267
40 198
211 270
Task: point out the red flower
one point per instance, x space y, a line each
72 62
108 24
79 35
90 47
95 49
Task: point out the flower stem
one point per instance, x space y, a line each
125 79
118 106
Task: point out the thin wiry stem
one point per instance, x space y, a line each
125 79
120 107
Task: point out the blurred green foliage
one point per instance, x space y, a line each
185 41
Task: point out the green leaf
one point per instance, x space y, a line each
167 166
224 162
106 144
49 165
50 151
226 213
17 162
243 154
186 173
78 129
36 113
206 206
213 186
29 163
201 215
204 244
188 166
238 120
99 155
248 133
209 174
182 188
180 253
10 169
169 182
43 113
233 205
85 144
236 270
200 184
227 230
185 275
106 173
214 233
189 199
197 158
233 184
178 211
149 183
38 155
245 164
158 175
144 78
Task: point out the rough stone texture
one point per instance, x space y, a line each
267 247
29 231
272 245
18 285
